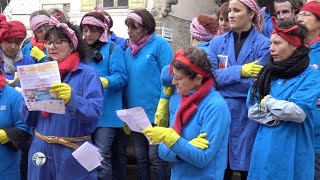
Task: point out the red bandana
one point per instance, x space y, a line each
189 105
294 40
34 42
179 56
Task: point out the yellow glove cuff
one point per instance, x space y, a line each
167 90
171 138
3 137
162 114
163 105
104 82
126 129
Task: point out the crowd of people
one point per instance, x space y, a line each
244 96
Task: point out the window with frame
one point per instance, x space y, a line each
115 3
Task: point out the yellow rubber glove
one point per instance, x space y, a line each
160 134
37 53
104 82
251 69
262 102
3 137
126 129
168 90
62 90
161 117
14 81
200 141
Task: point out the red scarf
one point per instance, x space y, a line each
189 105
68 64
2 80
34 42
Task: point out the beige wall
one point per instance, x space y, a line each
180 17
188 9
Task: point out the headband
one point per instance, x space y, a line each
294 40
38 21
90 20
71 34
179 56
135 17
254 7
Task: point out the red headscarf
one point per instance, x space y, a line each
11 30
313 7
294 40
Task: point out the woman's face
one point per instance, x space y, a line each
11 47
91 34
40 31
309 20
280 49
136 32
184 83
224 25
58 48
239 17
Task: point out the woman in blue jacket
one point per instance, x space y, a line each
11 37
196 144
107 59
309 15
145 56
283 101
14 134
244 49
202 29
58 135
39 24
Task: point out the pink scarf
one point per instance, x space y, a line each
135 47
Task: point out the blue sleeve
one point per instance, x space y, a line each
88 106
29 117
164 57
164 54
26 49
166 78
118 77
308 92
17 119
216 130
166 154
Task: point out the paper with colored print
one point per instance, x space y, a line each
35 81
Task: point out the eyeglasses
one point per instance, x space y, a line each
304 14
180 78
56 43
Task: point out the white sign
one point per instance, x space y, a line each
167 33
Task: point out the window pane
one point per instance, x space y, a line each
122 2
108 3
